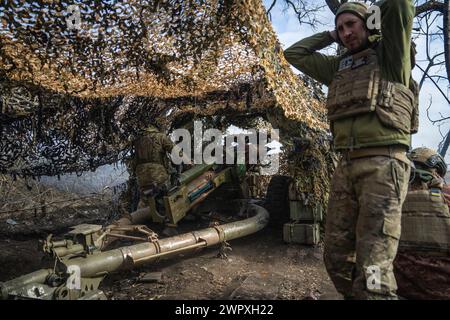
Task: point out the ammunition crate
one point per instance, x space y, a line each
300 212
301 233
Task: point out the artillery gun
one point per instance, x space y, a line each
194 186
82 259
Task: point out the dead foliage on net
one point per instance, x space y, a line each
73 94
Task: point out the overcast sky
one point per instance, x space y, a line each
289 31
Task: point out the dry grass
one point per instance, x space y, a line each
21 198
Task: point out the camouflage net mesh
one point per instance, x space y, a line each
73 95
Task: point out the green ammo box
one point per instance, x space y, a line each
301 233
299 211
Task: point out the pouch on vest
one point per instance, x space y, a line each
354 89
395 105
425 222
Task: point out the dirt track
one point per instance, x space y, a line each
259 266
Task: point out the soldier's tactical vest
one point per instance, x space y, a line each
358 89
425 222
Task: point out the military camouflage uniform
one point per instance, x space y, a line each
363 223
422 264
370 182
151 161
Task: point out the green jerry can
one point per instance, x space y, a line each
301 233
300 212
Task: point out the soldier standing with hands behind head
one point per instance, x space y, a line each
371 110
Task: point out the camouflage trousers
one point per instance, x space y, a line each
363 226
150 175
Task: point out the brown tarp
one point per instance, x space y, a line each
421 276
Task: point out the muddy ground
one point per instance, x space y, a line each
260 266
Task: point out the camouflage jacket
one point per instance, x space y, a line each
153 147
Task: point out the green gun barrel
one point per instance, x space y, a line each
92 268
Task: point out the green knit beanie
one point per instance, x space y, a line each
359 9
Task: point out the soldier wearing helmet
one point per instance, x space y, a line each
423 259
429 167
372 111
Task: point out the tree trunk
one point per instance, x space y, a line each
444 147
333 5
446 29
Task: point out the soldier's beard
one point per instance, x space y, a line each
364 45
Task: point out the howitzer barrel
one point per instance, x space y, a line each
38 276
132 256
194 172
38 284
140 216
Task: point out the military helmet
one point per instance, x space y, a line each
359 9
428 158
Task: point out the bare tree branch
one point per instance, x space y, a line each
430 6
437 86
306 13
423 8
271 7
437 120
431 64
439 78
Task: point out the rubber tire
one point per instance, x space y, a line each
277 199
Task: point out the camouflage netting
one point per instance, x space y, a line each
79 79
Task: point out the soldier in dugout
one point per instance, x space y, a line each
151 162
372 109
